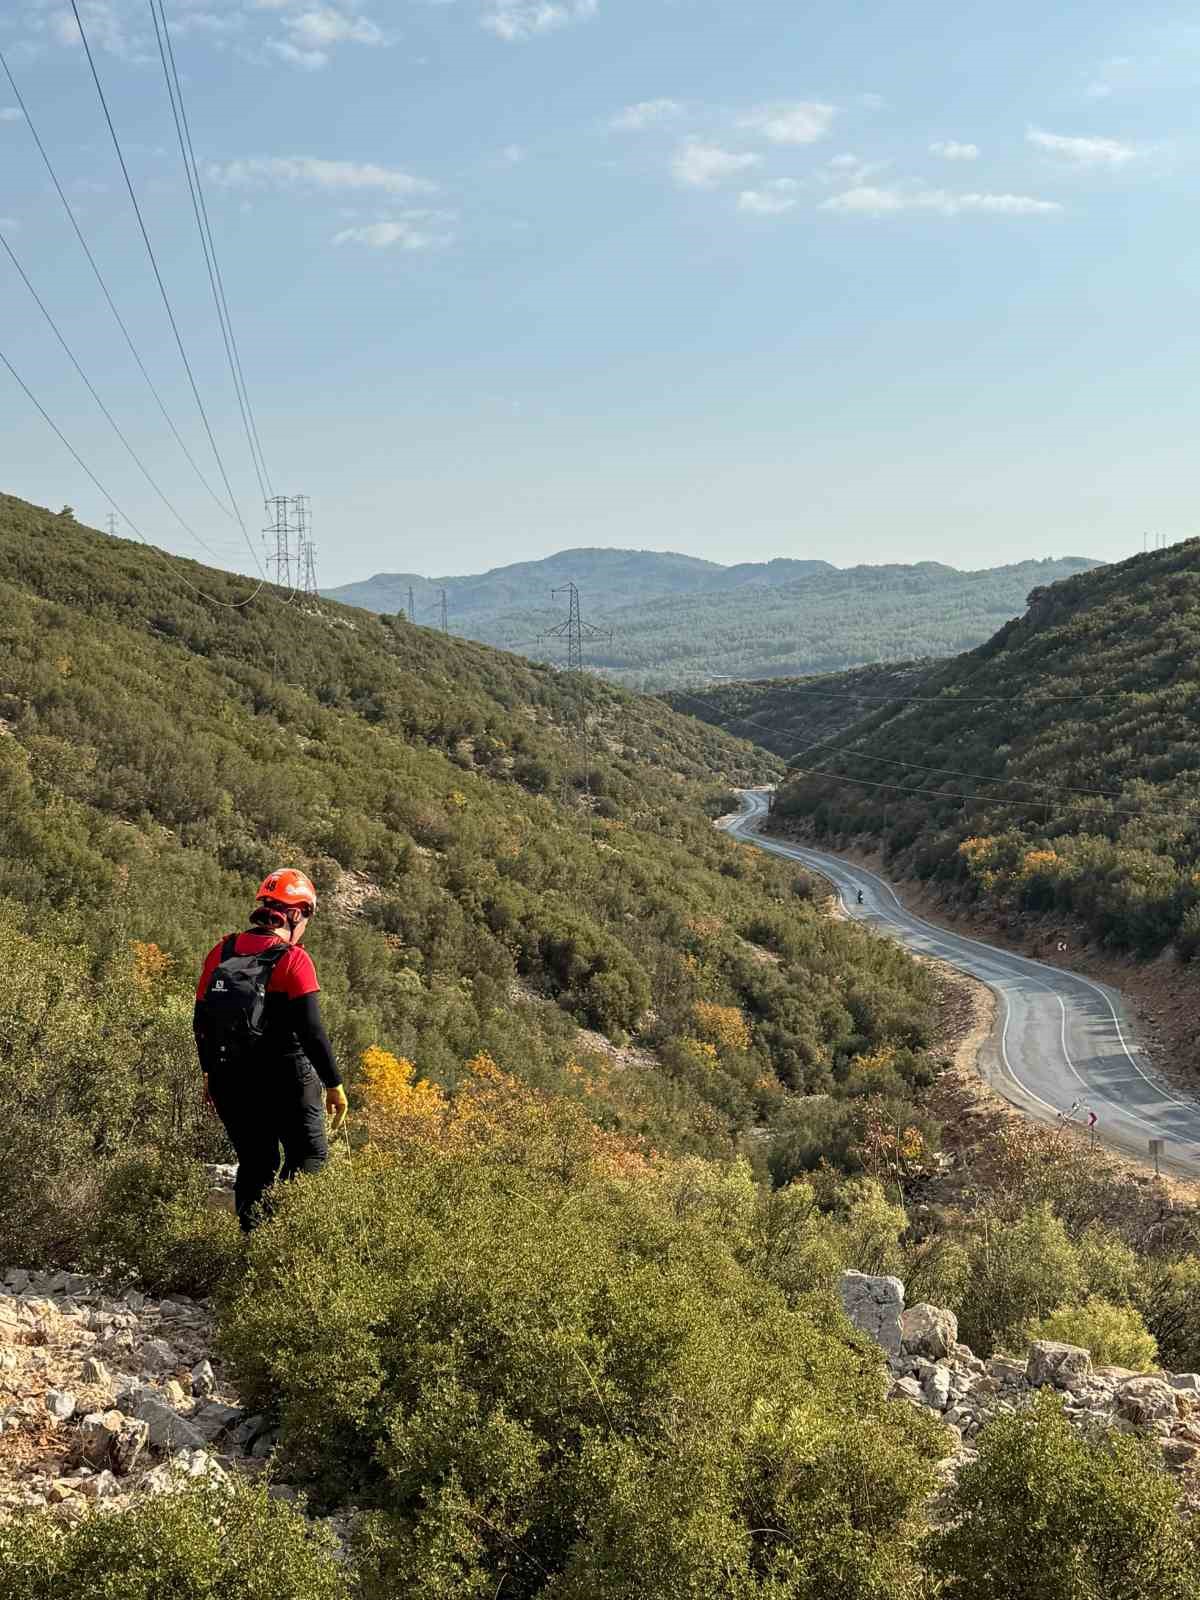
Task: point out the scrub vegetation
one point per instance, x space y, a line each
1052 770
562 1322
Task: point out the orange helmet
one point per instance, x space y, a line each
290 889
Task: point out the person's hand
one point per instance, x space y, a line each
209 1103
337 1107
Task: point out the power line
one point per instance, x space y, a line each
208 245
112 421
994 800
979 777
161 285
230 605
104 289
951 772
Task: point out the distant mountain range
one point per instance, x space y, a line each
677 620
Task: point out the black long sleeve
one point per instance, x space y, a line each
198 1032
304 1017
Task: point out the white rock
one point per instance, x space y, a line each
936 1388
184 1469
159 1356
168 1430
927 1330
874 1305
204 1382
60 1403
1053 1362
1147 1400
101 1486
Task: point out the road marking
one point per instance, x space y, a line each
911 923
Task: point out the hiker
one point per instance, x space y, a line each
860 897
269 1072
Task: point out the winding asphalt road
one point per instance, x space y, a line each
1061 1044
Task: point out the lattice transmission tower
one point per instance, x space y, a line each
575 633
291 551
278 537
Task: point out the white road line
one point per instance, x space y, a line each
972 948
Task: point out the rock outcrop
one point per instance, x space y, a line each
930 1369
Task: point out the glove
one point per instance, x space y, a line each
337 1107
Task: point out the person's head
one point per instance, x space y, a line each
286 902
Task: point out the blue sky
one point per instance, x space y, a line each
741 278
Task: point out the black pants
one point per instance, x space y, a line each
264 1108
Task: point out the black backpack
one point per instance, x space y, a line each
233 1007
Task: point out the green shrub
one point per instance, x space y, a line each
1017 1273
154 1224
568 1387
202 1544
1047 1514
1115 1335
1169 1300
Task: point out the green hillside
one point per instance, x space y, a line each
561 1320
486 604
678 623
1052 768
160 754
786 715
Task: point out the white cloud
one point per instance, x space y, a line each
308 60
868 201
311 29
771 200
105 30
288 171
803 122
11 114
848 168
321 26
525 19
952 150
646 114
704 166
415 231
1082 152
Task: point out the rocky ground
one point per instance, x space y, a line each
107 1396
931 1369
103 1398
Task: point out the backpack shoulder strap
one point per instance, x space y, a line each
229 947
272 958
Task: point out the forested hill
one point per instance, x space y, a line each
1052 768
786 715
613 578
677 623
485 889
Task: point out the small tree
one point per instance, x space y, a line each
1047 1514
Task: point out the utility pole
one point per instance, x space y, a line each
412 610
278 534
306 558
291 553
112 524
445 617
575 631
